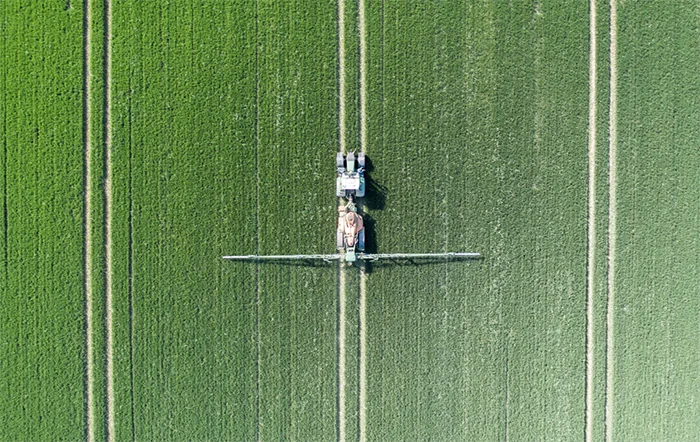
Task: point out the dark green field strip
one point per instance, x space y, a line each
298 136
4 74
352 76
478 129
42 327
656 306
184 194
352 353
544 165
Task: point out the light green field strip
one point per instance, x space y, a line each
478 118
108 210
87 128
597 285
342 272
94 107
42 291
657 302
362 275
612 231
362 354
342 351
298 136
183 122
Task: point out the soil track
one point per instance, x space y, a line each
612 224
108 219
341 270
341 351
87 147
362 417
363 357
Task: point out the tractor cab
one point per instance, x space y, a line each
350 182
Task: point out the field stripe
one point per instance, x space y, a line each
362 399
4 168
257 221
612 225
341 352
341 274
363 76
591 223
362 413
341 74
87 148
130 272
108 218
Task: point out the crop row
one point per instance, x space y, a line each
224 124
656 307
42 305
477 127
225 117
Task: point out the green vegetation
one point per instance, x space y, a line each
42 305
224 123
479 139
222 350
184 194
298 135
657 308
97 215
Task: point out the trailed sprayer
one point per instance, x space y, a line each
350 232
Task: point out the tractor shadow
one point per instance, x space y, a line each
375 193
415 262
316 263
375 199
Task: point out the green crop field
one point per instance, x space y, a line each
480 143
142 141
42 323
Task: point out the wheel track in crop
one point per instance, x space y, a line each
590 275
341 352
362 413
612 225
341 75
87 128
362 399
108 218
87 225
341 270
342 280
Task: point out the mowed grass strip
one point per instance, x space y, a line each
657 307
42 304
184 118
298 139
479 140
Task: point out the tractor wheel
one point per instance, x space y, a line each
340 160
361 191
361 240
339 240
361 159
